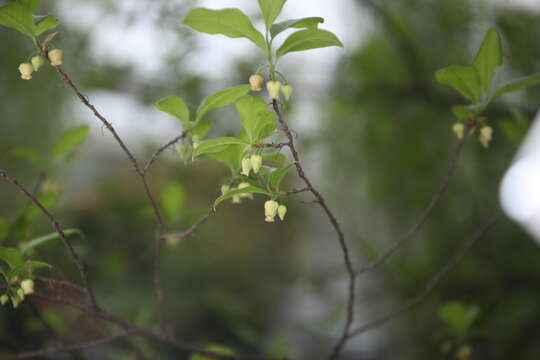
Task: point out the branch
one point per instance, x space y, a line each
413 231
56 226
141 174
436 280
331 217
297 191
272 145
191 230
162 149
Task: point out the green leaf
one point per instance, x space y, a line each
70 140
29 155
274 160
277 176
458 317
231 156
463 112
216 145
11 256
27 266
517 85
230 194
308 39
271 10
488 59
515 128
47 238
172 199
464 79
229 22
212 348
48 200
309 23
256 119
18 15
175 106
201 128
220 99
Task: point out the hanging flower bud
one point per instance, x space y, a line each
196 140
236 199
256 81
27 286
225 189
26 70
4 299
256 163
270 210
16 301
37 62
459 130
245 195
56 57
287 91
182 151
273 88
246 166
20 293
282 210
486 134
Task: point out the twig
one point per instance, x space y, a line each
413 231
273 145
72 348
341 237
141 174
162 149
297 191
56 226
191 230
436 280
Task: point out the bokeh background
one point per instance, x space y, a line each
375 133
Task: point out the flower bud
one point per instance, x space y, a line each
225 189
245 195
246 166
256 163
15 301
273 88
486 134
37 62
270 210
26 70
196 140
459 130
256 81
56 56
287 91
20 293
182 151
27 286
282 210
4 299
173 241
236 199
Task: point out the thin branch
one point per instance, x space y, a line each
191 230
273 145
72 348
141 174
413 231
56 226
436 280
341 237
162 149
297 191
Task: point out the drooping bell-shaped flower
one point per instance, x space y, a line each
486 135
256 82
282 210
256 163
56 57
26 70
273 88
287 91
270 210
459 130
27 286
246 166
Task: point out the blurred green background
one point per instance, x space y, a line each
375 133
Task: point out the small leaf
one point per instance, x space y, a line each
11 256
49 22
271 10
212 348
308 39
256 119
231 156
464 79
229 22
47 238
309 22
249 189
277 176
216 145
29 155
48 200
18 15
517 85
172 199
27 266
220 99
175 106
468 111
488 59
70 140
274 160
458 317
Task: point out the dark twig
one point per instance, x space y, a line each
56 226
273 145
297 191
413 231
162 149
191 230
341 237
141 174
436 280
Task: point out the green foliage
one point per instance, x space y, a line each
276 177
229 22
218 349
517 85
464 79
488 59
24 248
458 317
220 99
28 154
258 122
308 39
216 145
172 199
271 10
246 190
309 22
175 106
18 16
70 140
